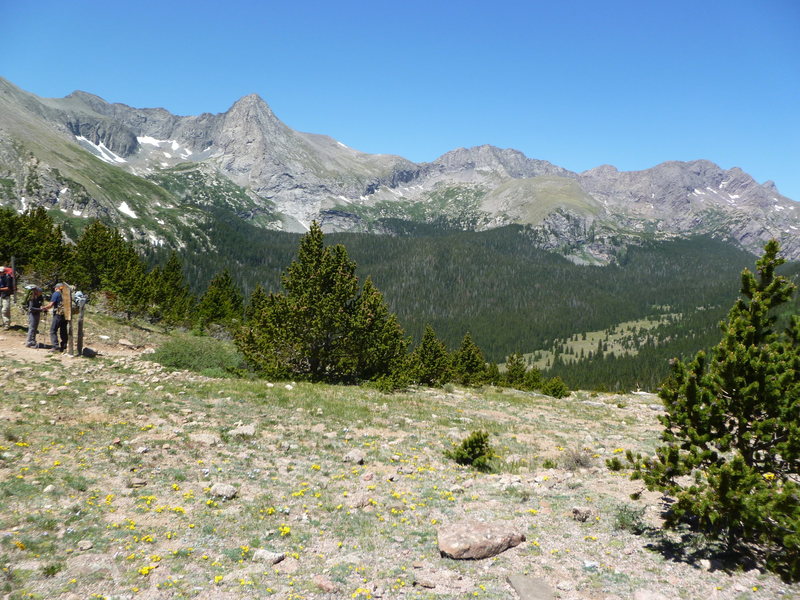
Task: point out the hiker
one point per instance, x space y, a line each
34 310
6 291
59 323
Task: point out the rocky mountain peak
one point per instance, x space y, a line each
502 161
298 177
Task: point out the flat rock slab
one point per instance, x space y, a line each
528 588
473 540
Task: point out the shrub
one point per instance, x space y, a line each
629 518
474 451
201 354
555 387
576 458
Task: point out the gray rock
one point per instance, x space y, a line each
476 540
85 545
224 490
243 431
528 588
355 456
266 556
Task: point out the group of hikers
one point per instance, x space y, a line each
34 306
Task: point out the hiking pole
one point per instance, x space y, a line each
42 318
14 280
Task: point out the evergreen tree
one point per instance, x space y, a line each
323 328
95 256
255 303
515 370
221 303
555 387
430 361
42 251
533 379
469 366
732 424
493 376
170 300
377 343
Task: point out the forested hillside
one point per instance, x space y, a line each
513 297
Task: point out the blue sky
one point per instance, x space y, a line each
577 83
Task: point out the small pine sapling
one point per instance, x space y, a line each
474 451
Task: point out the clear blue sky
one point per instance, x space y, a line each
577 83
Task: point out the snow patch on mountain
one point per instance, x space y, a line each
125 209
101 151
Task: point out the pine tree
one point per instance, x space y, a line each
493 376
94 256
39 246
170 300
515 370
469 366
377 342
732 424
255 303
323 328
533 379
430 361
221 303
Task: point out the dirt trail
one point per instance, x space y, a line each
12 347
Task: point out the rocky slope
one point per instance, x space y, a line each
283 179
123 479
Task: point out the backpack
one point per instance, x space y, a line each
26 299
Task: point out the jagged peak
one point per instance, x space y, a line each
482 150
251 100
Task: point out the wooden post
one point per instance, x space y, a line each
67 300
80 329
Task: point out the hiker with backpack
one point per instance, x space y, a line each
33 306
6 291
59 323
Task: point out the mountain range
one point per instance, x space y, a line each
155 175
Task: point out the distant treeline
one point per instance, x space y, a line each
511 296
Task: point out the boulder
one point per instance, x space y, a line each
355 456
476 540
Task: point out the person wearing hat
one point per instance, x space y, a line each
59 322
35 311
6 291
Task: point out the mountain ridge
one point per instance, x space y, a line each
297 177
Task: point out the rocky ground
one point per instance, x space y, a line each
119 479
